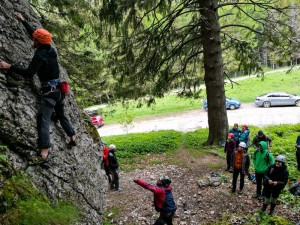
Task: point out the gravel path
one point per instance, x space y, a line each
195 119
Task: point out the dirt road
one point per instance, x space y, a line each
188 121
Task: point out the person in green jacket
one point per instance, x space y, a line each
262 159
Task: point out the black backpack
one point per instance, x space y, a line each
295 189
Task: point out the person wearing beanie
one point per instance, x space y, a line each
261 137
245 136
45 64
275 180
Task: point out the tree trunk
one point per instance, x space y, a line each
214 73
74 174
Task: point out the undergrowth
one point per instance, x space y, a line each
23 203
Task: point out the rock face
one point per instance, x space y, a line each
74 174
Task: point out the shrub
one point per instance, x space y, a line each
26 205
195 139
132 145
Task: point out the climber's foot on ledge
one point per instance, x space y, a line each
72 142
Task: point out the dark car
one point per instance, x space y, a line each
277 99
96 119
231 103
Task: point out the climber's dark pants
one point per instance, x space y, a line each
52 101
115 178
165 218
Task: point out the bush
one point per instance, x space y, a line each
26 205
132 145
284 139
35 212
195 139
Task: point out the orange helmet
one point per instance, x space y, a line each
42 36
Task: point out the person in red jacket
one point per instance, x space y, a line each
105 161
163 199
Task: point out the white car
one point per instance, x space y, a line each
277 99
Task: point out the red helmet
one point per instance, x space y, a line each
231 135
42 36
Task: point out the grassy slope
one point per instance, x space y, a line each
245 90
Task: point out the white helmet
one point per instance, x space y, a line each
243 145
281 158
112 147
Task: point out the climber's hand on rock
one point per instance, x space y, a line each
19 16
4 65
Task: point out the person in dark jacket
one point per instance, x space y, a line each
237 132
114 168
229 149
262 137
240 164
298 152
275 180
163 199
45 64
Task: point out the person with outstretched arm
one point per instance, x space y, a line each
45 64
163 199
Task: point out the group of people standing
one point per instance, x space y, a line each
269 174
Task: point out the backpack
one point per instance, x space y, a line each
295 188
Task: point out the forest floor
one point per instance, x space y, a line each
196 205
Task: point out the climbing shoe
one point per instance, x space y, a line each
39 161
71 144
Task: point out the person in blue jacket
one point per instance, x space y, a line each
237 132
245 136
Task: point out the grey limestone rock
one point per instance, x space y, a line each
74 174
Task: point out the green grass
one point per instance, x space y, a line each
245 90
26 205
169 104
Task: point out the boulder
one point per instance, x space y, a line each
74 174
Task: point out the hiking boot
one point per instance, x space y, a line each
260 197
119 189
256 196
264 207
240 192
272 209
